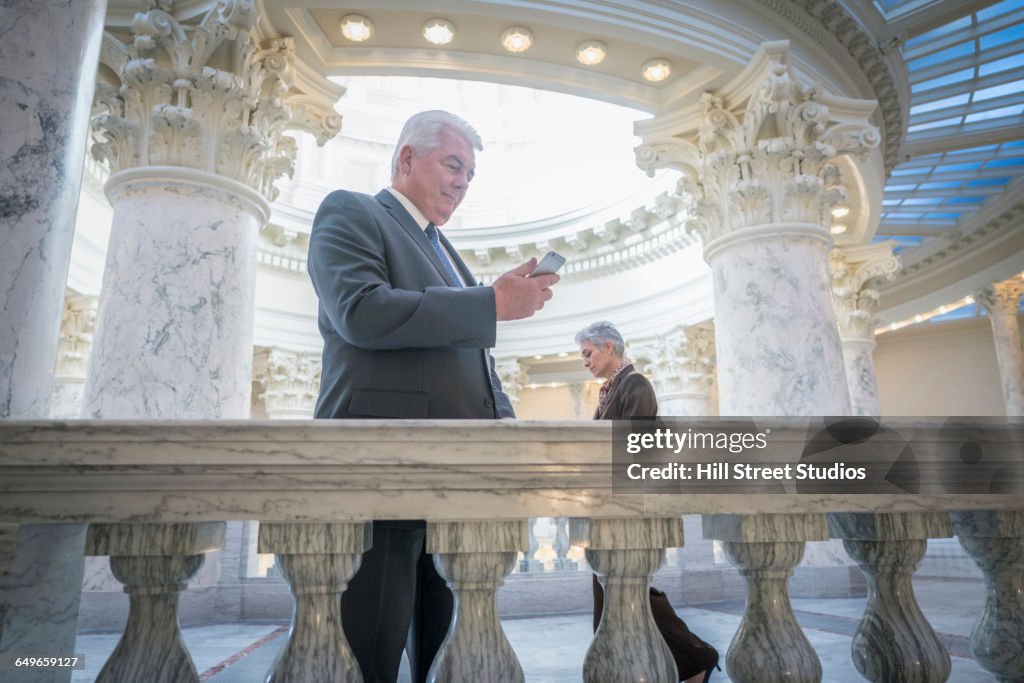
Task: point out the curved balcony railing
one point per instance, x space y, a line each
155 493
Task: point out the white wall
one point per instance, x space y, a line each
939 369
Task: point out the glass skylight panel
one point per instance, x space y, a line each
925 38
1007 35
1006 163
948 79
949 54
953 121
978 199
1005 64
1014 110
941 104
999 9
988 182
944 185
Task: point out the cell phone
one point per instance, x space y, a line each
551 262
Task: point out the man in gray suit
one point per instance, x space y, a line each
406 334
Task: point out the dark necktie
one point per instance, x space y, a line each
445 261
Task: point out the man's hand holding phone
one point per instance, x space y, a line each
522 291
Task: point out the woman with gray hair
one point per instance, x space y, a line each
625 394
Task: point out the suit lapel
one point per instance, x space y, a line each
467 276
416 234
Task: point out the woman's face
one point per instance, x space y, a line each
600 360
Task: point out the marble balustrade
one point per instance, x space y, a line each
157 493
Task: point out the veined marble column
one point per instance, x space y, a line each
49 51
763 186
856 271
1002 303
193 137
682 365
290 382
76 327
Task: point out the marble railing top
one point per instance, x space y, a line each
164 471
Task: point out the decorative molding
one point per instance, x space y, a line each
856 272
289 381
832 27
773 164
205 96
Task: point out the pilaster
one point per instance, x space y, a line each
78 320
289 382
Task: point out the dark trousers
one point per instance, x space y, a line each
396 601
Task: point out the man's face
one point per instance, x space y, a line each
437 181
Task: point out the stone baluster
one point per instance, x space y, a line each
155 563
49 50
8 545
625 553
1002 303
529 562
563 563
474 558
856 272
318 560
995 539
682 367
289 382
769 646
894 641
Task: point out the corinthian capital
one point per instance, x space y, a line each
206 95
289 381
1002 298
760 152
856 272
681 360
513 376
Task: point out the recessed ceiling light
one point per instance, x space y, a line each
591 52
840 210
517 39
656 69
838 229
439 31
356 28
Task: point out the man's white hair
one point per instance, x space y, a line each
422 132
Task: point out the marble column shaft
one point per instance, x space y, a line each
49 49
474 558
625 553
175 322
777 342
894 642
1001 302
858 356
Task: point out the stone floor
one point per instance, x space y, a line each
551 649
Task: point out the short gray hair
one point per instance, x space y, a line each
422 132
600 332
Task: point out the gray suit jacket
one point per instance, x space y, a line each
400 339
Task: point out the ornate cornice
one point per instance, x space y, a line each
204 96
289 381
835 31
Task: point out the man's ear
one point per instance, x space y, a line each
405 159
